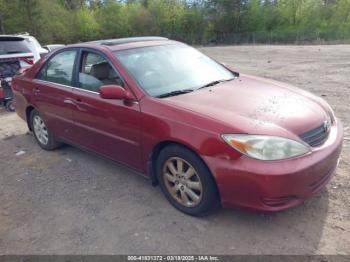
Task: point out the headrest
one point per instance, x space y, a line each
100 71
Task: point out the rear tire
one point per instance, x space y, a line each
42 134
186 181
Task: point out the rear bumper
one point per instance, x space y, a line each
277 185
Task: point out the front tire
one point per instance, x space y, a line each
186 181
42 134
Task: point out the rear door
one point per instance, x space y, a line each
53 93
109 127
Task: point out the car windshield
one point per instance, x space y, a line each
13 46
164 69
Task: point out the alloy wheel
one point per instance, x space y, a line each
40 130
182 182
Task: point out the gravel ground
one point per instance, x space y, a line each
72 202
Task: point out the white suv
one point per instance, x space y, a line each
37 50
18 51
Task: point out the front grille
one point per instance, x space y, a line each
317 136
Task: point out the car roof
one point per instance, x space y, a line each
127 43
126 40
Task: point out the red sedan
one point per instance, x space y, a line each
205 134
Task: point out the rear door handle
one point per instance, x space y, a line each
79 100
36 90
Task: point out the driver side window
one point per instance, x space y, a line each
95 71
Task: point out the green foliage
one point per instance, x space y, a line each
192 21
85 24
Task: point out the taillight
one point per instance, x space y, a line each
28 60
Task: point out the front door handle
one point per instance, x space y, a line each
68 101
80 105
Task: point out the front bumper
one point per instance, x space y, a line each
277 185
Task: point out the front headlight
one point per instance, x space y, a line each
266 147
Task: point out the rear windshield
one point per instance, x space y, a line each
13 46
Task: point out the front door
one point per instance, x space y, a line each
109 127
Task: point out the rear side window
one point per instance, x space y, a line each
59 69
13 46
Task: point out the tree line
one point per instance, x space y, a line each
192 21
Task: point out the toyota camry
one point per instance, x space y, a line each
207 135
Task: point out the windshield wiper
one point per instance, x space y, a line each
175 93
213 83
184 91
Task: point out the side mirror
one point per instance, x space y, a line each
114 92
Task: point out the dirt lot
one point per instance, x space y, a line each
72 202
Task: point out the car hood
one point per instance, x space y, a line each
256 106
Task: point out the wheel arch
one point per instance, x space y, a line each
29 110
155 153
